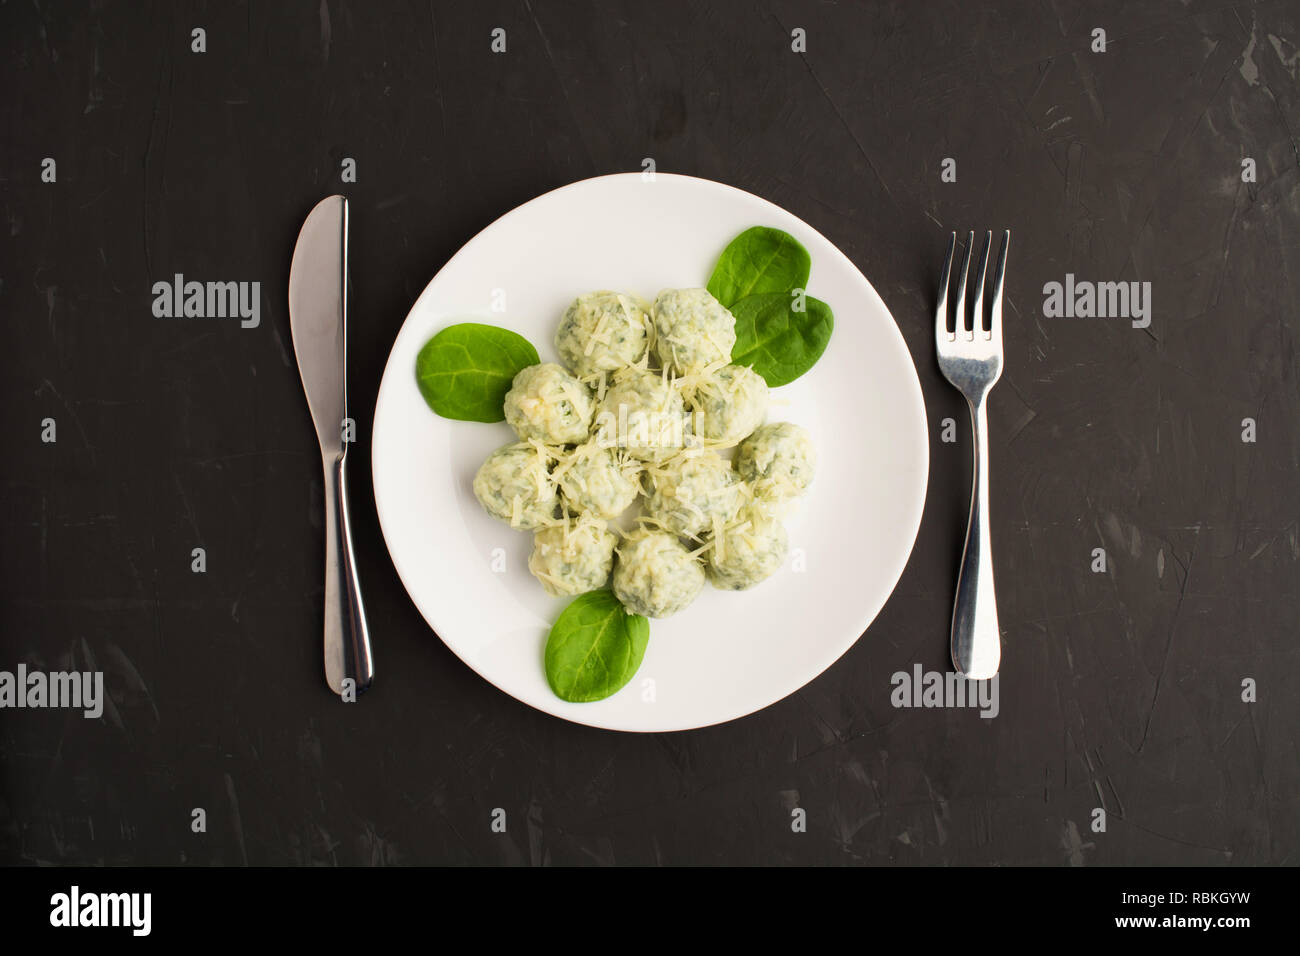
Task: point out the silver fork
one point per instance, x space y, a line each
971 359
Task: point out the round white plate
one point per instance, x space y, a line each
731 652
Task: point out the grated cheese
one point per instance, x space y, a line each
597 332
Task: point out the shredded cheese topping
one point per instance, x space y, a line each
655 400
598 334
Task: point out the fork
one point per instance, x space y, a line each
971 359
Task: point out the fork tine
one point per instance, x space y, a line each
995 317
959 324
941 332
977 313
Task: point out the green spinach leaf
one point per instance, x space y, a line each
594 648
758 261
778 342
465 370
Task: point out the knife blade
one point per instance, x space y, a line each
318 309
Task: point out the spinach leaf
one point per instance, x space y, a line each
778 342
594 648
465 370
758 261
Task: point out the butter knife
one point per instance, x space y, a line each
318 315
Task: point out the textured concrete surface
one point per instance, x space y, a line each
1120 690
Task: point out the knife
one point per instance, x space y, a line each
318 317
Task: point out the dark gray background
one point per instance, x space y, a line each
1119 690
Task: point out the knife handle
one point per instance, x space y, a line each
347 639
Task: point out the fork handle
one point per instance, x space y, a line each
976 641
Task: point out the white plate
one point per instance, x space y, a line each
730 653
